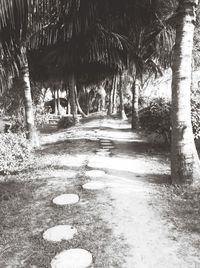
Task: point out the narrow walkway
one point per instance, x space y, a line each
94 191
131 176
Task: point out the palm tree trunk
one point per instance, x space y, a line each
58 101
135 105
29 114
185 167
88 102
121 97
72 96
110 107
78 105
55 101
114 108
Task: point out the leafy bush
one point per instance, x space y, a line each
41 115
15 153
156 118
65 122
17 124
196 119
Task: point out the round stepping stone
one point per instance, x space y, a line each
95 173
72 258
94 185
103 153
66 199
59 233
108 147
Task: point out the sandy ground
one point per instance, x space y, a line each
133 176
123 225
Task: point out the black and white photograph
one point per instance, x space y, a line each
99 133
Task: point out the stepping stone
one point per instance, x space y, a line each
103 153
95 173
66 199
102 150
106 144
59 233
94 185
108 147
72 258
108 141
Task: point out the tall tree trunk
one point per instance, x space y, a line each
29 114
87 92
110 106
78 105
55 101
114 108
135 105
185 166
58 101
121 97
72 96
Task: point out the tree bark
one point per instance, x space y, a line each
121 97
55 101
110 106
78 105
185 167
135 105
29 114
58 101
72 96
114 108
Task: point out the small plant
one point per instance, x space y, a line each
41 114
15 153
155 118
196 119
66 122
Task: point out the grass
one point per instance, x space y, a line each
180 206
26 211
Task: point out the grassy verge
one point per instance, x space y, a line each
26 211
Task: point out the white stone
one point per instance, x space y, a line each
95 173
66 199
107 141
104 146
59 233
94 185
72 258
103 153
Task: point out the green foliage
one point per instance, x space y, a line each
15 153
65 122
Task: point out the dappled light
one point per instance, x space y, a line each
99 133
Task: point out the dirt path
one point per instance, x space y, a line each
132 185
122 224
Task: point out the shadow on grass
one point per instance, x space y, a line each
28 211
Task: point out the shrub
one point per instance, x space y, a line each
196 119
17 124
41 115
65 122
15 153
156 118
